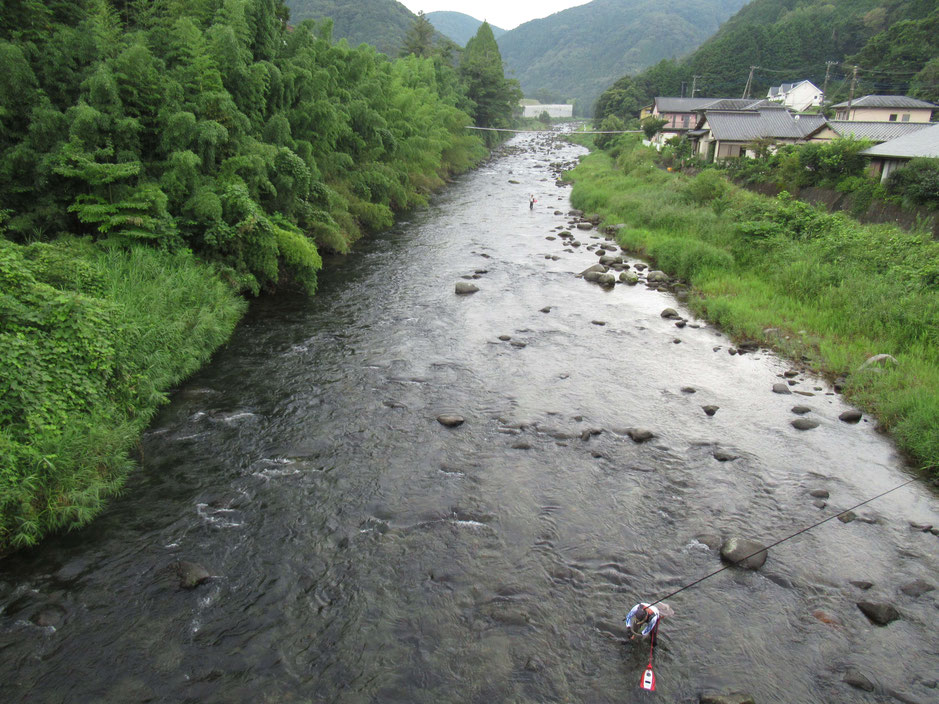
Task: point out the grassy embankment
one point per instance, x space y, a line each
91 339
836 291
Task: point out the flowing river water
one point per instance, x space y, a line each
360 551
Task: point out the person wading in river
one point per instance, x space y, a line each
531 201
643 619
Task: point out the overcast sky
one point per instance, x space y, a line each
506 14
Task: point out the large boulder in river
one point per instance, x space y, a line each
670 313
191 574
629 278
748 554
464 287
656 276
608 280
879 613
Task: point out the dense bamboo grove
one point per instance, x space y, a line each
160 159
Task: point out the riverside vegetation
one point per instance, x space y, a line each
160 160
814 285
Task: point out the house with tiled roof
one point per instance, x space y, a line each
728 134
889 156
798 96
681 114
875 132
885 108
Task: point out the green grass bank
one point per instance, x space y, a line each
90 340
815 286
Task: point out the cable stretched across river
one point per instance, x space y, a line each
782 540
502 129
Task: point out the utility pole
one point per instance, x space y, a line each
746 90
683 89
851 95
694 82
828 65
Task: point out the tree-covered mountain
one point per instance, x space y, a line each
577 53
894 43
381 23
458 26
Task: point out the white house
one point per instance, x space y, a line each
552 110
797 96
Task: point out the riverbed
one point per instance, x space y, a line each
361 551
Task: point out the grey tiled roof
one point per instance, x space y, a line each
746 125
682 104
921 143
732 104
887 101
875 131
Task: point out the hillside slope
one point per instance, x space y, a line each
381 23
580 51
458 26
894 43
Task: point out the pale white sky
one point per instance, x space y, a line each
506 14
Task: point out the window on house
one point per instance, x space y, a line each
893 117
686 118
905 118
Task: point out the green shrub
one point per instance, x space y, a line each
706 186
916 183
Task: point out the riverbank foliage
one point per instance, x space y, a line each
156 160
811 284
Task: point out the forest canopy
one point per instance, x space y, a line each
215 125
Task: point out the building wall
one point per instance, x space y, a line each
803 96
884 114
552 110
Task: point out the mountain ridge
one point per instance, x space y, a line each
459 26
576 53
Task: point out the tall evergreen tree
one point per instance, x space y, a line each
482 72
420 37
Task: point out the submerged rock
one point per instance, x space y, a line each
917 588
640 434
856 678
710 409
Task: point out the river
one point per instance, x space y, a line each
360 551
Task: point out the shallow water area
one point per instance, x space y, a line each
360 551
